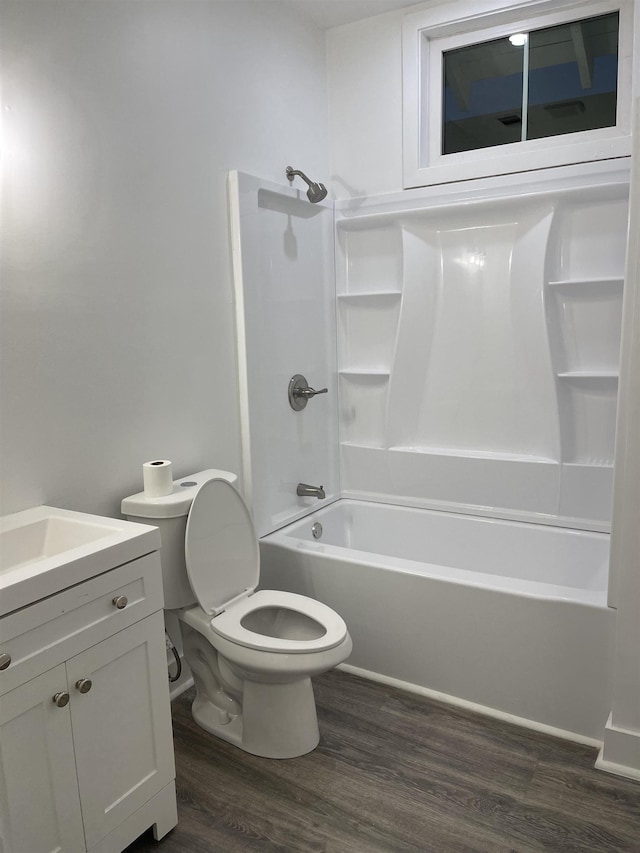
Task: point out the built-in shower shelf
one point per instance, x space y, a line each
588 282
370 294
589 374
591 464
373 371
467 453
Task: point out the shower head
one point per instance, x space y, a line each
316 192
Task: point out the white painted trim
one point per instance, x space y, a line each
616 769
456 702
605 175
428 33
180 686
626 488
233 186
620 752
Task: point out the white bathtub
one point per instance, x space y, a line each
508 616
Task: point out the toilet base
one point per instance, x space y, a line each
277 720
259 701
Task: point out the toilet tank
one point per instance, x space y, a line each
169 514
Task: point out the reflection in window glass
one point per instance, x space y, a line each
571 85
573 73
482 96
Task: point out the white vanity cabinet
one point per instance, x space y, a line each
40 803
85 727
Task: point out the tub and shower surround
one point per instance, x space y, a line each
469 342
478 347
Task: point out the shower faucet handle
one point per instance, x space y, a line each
300 392
309 392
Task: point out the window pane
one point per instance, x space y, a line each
482 96
573 71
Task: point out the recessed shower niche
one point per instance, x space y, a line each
584 310
586 319
372 260
368 306
589 321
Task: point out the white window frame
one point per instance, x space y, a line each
427 34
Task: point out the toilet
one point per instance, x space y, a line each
252 653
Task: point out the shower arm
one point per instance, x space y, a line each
291 173
316 192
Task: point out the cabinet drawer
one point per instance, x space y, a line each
50 631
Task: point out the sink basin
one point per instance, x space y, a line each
46 549
46 538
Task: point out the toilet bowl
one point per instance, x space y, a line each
252 653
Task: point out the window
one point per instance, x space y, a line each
520 94
547 82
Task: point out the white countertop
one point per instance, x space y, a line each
44 550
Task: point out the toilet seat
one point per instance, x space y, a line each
229 623
221 550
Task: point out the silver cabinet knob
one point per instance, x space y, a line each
61 699
121 601
84 685
5 660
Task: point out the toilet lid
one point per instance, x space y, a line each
221 550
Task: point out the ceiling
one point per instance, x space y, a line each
333 13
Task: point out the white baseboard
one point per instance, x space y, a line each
183 683
620 752
470 706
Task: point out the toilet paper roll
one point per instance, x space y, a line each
157 478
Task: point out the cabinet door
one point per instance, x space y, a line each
39 802
122 725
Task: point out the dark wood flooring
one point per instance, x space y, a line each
396 772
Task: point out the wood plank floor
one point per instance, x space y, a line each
396 772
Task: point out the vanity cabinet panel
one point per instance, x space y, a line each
51 631
94 769
121 726
39 801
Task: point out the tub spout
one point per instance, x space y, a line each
306 491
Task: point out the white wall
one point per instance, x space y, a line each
364 62
121 121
